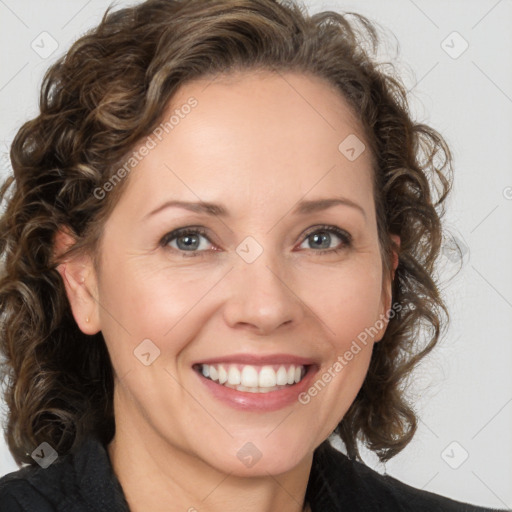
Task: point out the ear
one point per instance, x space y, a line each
396 239
387 288
80 282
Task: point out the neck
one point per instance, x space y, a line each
157 475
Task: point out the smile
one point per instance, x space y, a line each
253 378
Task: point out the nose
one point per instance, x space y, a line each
262 297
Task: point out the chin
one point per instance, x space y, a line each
260 453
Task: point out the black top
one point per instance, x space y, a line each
85 482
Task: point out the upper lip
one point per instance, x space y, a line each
254 359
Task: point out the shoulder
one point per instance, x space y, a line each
32 487
81 480
359 487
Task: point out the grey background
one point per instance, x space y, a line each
463 391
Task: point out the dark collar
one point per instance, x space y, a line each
84 481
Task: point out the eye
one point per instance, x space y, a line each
193 241
322 237
186 240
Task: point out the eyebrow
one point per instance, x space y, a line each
303 208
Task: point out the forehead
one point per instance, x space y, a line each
265 136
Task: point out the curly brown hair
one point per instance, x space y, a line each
108 92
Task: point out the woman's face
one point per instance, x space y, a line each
266 287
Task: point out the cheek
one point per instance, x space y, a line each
142 299
347 299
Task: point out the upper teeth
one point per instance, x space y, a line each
254 376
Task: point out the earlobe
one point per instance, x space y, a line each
78 276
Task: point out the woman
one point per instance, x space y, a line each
220 240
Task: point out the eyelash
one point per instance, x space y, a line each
345 237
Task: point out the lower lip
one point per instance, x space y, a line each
271 401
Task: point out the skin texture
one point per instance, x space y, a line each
257 147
